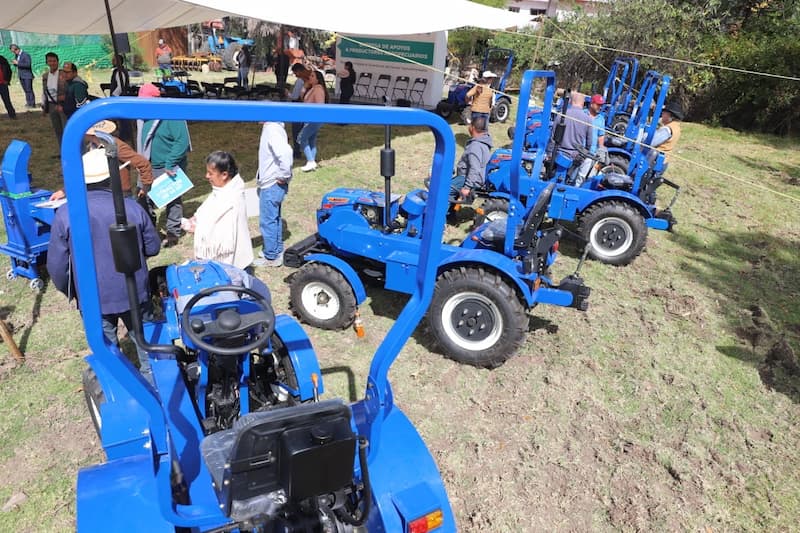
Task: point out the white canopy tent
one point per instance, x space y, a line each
361 17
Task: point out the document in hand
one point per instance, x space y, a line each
166 188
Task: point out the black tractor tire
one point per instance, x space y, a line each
492 209
476 317
617 164
444 109
95 397
322 297
227 57
501 111
618 127
616 232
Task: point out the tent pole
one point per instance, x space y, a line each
111 29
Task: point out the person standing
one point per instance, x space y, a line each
315 94
482 96
120 78
243 59
54 89
77 92
347 82
220 225
274 173
114 303
25 73
302 74
5 79
164 57
166 144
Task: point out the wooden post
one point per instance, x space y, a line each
5 333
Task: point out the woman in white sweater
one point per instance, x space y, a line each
220 223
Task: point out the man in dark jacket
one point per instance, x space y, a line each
25 73
111 286
471 168
5 79
77 90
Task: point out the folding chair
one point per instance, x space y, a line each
361 88
106 88
400 88
417 90
381 89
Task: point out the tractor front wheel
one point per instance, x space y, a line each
616 232
492 209
322 297
95 397
476 317
444 109
501 111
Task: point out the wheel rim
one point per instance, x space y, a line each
320 300
502 113
472 321
496 215
611 236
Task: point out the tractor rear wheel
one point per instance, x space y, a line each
492 209
322 297
444 109
616 232
501 110
616 164
95 397
476 317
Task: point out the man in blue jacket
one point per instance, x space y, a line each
25 73
114 305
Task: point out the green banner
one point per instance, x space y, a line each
373 49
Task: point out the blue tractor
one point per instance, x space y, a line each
619 90
483 289
612 210
232 434
496 60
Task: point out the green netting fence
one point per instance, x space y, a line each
86 51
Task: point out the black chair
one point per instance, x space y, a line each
417 91
361 88
400 89
106 88
381 89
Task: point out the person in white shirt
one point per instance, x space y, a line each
274 173
53 91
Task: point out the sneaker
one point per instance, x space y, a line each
262 261
169 241
308 167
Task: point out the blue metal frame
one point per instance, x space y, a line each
137 479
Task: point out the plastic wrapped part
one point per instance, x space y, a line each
267 505
495 231
294 453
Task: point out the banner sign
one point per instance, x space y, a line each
373 49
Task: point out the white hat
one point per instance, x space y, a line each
160 41
95 166
488 74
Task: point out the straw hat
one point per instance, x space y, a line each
95 166
105 126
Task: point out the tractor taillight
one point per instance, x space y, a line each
555 246
426 523
537 283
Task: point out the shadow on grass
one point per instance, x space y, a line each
776 377
755 276
787 174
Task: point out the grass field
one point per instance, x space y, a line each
665 407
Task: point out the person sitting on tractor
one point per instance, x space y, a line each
481 96
598 146
577 133
471 168
667 135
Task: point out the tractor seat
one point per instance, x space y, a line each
288 454
615 180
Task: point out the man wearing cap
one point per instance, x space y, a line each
482 96
667 135
166 144
111 285
597 139
163 55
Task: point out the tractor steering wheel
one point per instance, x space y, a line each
228 322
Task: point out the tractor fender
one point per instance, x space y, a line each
619 152
302 355
345 269
508 268
569 204
124 489
125 427
623 197
402 494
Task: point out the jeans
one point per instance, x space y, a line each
476 114
27 86
296 148
456 184
110 331
12 113
174 208
308 139
243 71
269 219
